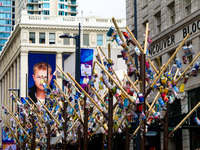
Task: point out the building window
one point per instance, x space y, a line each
5 28
30 7
188 7
73 8
108 41
61 1
42 38
61 6
73 2
31 37
61 13
5 22
73 14
4 35
66 14
46 5
45 12
172 12
86 39
2 41
51 38
66 40
5 15
99 40
158 21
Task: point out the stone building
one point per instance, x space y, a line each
39 34
169 23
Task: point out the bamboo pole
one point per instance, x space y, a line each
176 74
99 97
184 119
85 92
79 107
100 55
137 90
146 36
154 68
34 110
17 120
67 99
116 83
122 38
174 54
49 112
129 109
149 110
51 91
97 128
138 44
11 131
107 61
187 67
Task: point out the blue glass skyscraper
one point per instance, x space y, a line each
7 16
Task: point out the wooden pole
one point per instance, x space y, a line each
110 111
174 54
127 138
184 119
64 126
87 94
67 100
166 126
122 38
85 122
79 137
33 145
12 132
116 83
17 121
187 67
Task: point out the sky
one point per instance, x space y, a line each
102 8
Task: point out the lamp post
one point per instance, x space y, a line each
78 53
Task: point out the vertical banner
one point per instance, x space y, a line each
86 64
37 67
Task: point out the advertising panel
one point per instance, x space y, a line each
37 64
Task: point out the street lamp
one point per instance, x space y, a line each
78 53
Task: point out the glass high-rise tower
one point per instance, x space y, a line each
10 12
7 17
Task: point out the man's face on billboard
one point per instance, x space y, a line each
37 76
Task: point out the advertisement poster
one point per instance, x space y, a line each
9 147
7 142
86 64
37 64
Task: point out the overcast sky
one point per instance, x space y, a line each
102 8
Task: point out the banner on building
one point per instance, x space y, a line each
37 66
86 64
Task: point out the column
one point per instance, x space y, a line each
24 72
60 64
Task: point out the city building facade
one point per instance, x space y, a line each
169 23
39 34
7 20
11 11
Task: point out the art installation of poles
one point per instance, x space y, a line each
78 114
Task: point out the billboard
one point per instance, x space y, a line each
37 67
86 64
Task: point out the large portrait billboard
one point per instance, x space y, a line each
37 64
